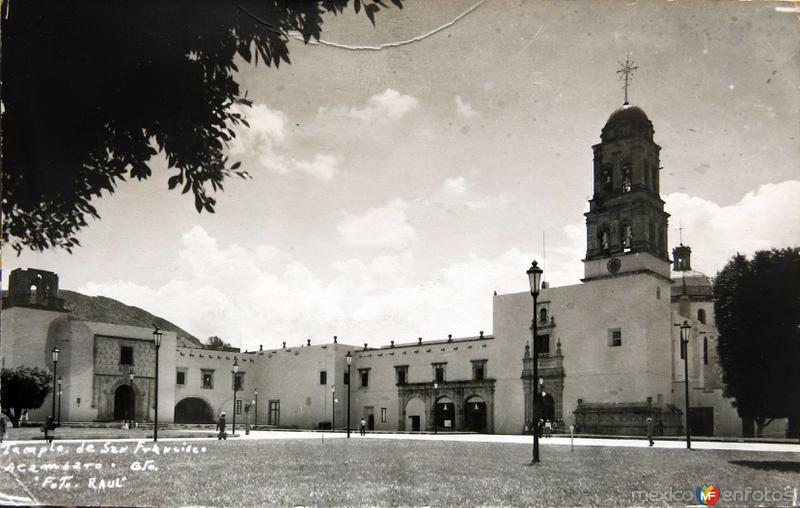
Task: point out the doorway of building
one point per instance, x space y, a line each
193 410
701 421
475 415
123 403
445 413
414 423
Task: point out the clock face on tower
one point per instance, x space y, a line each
614 265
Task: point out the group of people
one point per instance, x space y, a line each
544 428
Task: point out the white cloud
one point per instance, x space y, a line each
381 107
463 108
457 192
261 142
231 292
762 219
385 226
323 166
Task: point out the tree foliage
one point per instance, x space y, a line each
92 90
23 388
757 312
215 342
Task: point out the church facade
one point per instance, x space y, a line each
609 348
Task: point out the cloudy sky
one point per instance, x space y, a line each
394 190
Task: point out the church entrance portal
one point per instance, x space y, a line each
123 402
193 410
475 415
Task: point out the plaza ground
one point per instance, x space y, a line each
309 468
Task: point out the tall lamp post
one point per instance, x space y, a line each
435 387
59 381
333 407
685 329
535 280
157 340
133 400
349 358
55 369
255 403
235 371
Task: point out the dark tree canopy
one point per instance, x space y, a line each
757 311
92 90
23 388
215 342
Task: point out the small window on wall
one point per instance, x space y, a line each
402 374
126 355
180 378
364 373
626 177
615 337
207 379
323 377
383 415
701 315
705 350
238 381
438 372
478 370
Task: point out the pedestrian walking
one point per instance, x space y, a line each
2 428
49 425
221 427
650 431
548 428
363 427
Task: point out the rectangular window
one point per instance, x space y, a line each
239 406
274 415
543 345
705 351
383 415
364 374
126 355
615 337
238 381
207 379
401 373
478 370
181 378
439 372
323 377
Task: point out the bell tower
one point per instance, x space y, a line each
626 226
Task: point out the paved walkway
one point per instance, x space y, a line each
483 438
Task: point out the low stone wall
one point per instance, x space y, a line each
628 419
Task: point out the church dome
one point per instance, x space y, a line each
692 283
626 121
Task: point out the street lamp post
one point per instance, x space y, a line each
535 279
235 371
333 407
133 400
55 369
255 403
685 329
60 381
349 358
435 387
157 340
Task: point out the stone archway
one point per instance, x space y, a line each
193 410
475 414
415 415
445 413
124 403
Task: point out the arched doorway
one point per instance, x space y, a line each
124 408
445 414
193 410
475 414
548 407
415 415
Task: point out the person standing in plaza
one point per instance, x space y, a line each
650 431
23 420
363 427
221 427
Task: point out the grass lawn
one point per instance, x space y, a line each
387 472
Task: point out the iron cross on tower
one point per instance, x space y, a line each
626 72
